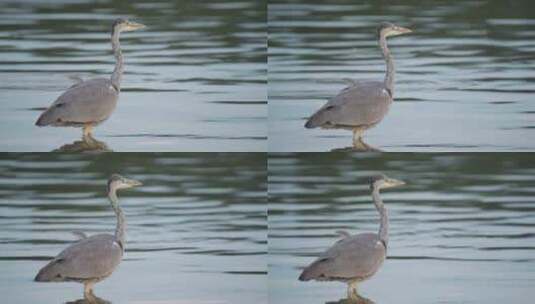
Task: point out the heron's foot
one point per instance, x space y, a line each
89 139
359 300
92 299
353 297
352 290
89 296
92 144
358 143
87 144
360 146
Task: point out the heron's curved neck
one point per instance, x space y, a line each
383 228
389 77
120 229
118 71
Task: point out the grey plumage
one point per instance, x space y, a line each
89 103
363 104
92 259
338 262
355 258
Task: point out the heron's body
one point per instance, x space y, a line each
92 259
89 103
363 104
355 258
336 264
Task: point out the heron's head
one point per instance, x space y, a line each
383 182
117 182
388 29
123 25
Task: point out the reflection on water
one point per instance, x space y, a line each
198 69
464 76
460 230
196 230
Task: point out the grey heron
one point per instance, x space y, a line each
89 103
362 104
92 259
355 258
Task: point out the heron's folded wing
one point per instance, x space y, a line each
90 101
363 103
358 256
93 257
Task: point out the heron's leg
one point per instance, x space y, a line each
88 136
357 136
88 289
352 291
358 143
88 128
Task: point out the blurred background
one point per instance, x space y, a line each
196 229
461 230
464 78
193 77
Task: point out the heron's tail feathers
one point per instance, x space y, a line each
49 273
322 118
56 115
46 118
315 271
304 276
314 121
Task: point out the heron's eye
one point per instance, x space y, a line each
59 105
329 108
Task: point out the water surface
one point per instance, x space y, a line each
195 78
464 78
196 229
461 230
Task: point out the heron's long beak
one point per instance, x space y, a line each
132 182
402 30
132 26
390 183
